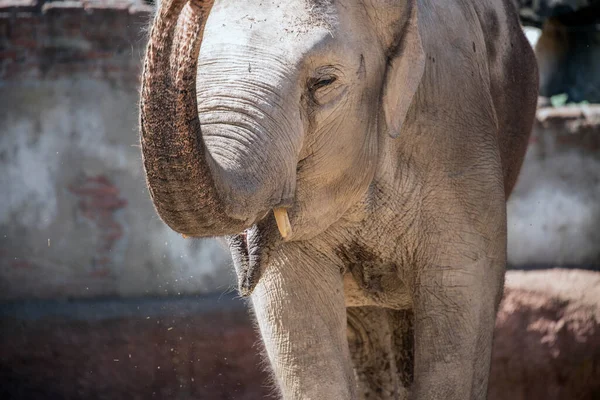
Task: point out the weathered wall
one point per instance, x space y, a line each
75 215
554 211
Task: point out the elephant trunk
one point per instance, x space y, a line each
174 154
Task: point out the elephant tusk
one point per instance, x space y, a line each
283 222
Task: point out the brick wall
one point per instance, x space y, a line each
42 39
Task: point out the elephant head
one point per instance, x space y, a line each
284 106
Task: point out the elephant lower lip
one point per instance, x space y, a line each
250 251
246 260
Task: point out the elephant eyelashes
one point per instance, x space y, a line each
323 82
326 89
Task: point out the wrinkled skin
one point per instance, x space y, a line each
392 132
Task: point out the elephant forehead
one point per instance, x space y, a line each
286 28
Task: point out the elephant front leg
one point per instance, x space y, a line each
300 309
455 309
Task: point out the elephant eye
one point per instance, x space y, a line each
322 82
326 88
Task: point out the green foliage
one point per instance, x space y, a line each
559 100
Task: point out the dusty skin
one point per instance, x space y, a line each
387 136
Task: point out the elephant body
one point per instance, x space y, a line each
392 132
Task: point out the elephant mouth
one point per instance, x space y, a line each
250 251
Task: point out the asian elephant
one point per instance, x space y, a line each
357 155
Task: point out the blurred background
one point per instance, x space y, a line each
100 300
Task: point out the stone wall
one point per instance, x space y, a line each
97 39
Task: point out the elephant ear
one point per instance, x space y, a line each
403 75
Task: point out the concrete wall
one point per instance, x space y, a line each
75 216
554 211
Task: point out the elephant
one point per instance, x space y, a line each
357 156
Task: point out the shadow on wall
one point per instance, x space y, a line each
568 49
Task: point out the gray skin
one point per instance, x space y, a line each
393 132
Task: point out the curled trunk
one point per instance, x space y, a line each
177 172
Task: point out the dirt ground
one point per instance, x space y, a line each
546 346
138 349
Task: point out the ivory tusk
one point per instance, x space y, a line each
283 222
